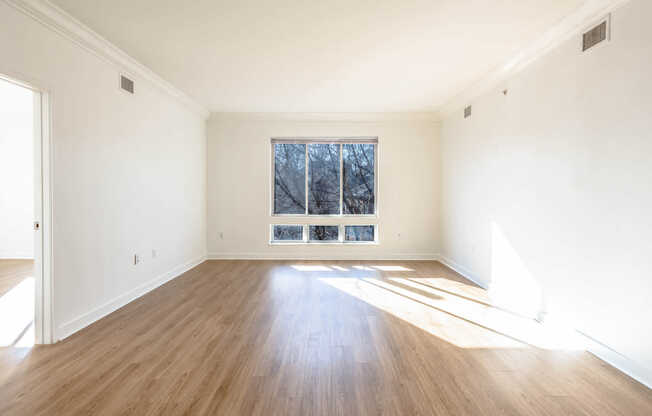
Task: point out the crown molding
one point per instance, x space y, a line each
63 23
328 117
579 20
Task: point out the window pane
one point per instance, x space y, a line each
358 165
359 233
288 233
324 232
289 179
324 179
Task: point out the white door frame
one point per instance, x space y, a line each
43 314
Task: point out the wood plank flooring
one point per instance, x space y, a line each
13 271
314 338
16 308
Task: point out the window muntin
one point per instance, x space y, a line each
332 187
359 233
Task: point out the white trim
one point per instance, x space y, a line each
70 327
40 294
325 140
63 23
16 255
47 224
328 117
571 25
331 257
617 360
466 273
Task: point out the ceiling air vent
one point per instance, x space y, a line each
596 35
126 84
467 112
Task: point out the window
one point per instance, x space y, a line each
324 234
288 233
289 178
358 163
324 177
359 233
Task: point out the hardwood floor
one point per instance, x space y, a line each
314 338
16 308
14 271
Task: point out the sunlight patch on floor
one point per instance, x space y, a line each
393 268
461 322
17 315
311 268
453 286
27 340
363 268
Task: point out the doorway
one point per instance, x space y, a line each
24 312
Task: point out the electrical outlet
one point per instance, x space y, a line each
136 259
221 235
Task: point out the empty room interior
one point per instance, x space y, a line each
417 207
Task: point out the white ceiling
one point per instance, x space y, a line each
321 56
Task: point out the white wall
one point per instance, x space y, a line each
239 186
16 171
129 173
547 190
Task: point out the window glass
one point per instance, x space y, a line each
324 232
289 178
359 233
358 178
323 179
288 233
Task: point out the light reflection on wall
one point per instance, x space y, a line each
512 285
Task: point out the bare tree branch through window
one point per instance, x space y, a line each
289 178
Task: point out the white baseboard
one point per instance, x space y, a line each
600 350
70 327
466 273
16 255
332 257
617 360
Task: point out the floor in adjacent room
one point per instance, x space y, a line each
315 338
16 306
